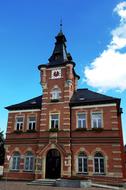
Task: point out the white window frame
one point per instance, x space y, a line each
16 166
83 158
21 123
82 120
30 158
99 165
31 122
96 120
55 93
55 120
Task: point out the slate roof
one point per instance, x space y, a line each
60 56
88 97
34 103
80 97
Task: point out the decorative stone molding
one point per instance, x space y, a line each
116 145
116 152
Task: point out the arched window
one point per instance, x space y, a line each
99 163
55 93
15 161
29 162
82 163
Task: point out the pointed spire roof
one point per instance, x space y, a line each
59 54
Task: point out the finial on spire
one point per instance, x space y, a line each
61 25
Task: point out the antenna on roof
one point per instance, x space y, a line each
61 24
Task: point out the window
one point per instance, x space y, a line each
81 120
32 123
99 163
29 162
96 120
82 163
19 123
55 94
15 161
55 121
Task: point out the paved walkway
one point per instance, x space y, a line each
13 185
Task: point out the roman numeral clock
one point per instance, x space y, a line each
56 74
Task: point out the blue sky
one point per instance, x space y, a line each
96 39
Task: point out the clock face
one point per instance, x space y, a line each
56 73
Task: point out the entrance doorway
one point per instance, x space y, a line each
53 164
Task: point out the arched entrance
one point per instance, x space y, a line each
53 164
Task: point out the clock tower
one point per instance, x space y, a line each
59 82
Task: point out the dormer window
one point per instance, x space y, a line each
55 94
57 57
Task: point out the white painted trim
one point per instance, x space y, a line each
94 106
102 121
67 96
116 145
43 119
81 112
17 111
42 124
66 123
43 114
55 68
52 113
31 115
15 124
44 108
116 152
114 122
115 129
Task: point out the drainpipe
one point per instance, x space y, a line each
71 139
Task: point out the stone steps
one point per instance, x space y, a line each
43 182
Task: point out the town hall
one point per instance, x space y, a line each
65 132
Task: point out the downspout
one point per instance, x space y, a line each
121 139
71 139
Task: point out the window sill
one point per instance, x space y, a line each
31 131
28 171
82 173
81 129
55 100
99 174
97 129
14 170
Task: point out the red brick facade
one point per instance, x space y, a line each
68 139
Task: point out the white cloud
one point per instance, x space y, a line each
108 71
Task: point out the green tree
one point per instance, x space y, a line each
2 149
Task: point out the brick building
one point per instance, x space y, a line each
66 131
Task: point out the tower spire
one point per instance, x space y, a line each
61 25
